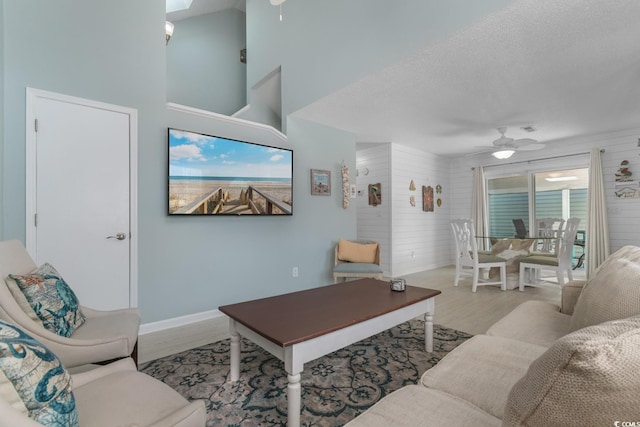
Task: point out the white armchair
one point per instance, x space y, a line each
104 336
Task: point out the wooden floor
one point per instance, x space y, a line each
457 308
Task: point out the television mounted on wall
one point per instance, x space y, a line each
213 175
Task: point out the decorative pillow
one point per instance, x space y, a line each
51 299
357 252
612 293
588 377
21 300
39 378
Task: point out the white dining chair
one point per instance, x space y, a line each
561 263
468 260
550 231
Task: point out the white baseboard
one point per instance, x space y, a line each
176 322
171 336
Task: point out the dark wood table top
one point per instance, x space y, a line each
299 316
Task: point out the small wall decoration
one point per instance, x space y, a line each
375 194
438 189
320 182
354 191
439 202
427 198
412 200
345 186
412 186
623 174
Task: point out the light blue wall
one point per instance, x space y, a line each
109 51
203 62
326 45
114 51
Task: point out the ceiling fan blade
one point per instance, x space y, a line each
524 141
503 140
531 147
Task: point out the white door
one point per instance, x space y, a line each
80 209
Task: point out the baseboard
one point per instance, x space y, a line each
171 336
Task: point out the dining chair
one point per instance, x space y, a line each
548 228
521 228
468 260
560 263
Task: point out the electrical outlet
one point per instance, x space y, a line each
294 272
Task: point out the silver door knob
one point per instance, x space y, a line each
119 236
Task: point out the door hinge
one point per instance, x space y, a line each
35 125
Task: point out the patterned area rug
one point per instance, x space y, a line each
335 388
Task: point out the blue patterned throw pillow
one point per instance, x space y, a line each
52 299
38 377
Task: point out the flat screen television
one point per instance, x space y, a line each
212 175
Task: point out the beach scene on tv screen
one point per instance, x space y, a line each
210 175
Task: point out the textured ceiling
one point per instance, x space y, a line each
568 68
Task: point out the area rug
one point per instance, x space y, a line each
335 388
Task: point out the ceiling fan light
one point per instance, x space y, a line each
502 154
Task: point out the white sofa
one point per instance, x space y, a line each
574 364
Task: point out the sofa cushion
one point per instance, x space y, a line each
118 395
535 322
588 377
482 370
51 299
39 378
414 405
613 292
356 252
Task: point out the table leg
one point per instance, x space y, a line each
428 332
294 398
235 354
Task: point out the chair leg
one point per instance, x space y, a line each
455 281
569 273
521 278
474 285
503 277
560 276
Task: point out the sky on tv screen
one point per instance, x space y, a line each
195 155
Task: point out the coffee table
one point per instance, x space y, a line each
301 326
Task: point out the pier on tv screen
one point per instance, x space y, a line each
211 175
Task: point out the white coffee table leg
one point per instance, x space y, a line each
235 352
428 332
294 398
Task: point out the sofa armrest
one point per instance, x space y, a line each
570 293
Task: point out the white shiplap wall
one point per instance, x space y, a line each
411 240
374 222
623 215
419 240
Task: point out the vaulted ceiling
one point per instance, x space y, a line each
564 67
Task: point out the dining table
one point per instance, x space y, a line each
512 250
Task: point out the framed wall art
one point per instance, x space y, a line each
427 198
320 182
375 194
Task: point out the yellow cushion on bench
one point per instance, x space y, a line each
357 252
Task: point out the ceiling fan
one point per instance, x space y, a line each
504 147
